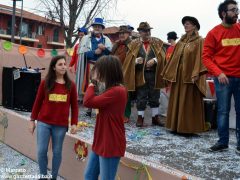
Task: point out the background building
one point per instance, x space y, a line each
37 31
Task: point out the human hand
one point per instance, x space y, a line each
73 129
150 63
72 69
139 60
93 75
101 46
195 78
222 78
31 126
98 51
91 84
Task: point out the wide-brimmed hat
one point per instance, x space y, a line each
124 29
191 19
98 21
130 27
172 35
83 29
144 26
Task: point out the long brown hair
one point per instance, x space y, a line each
51 75
109 70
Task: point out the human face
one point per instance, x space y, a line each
189 26
231 15
97 29
123 36
145 34
80 35
60 67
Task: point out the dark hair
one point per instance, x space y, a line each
109 70
51 75
223 7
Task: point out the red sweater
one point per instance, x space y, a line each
53 108
109 135
221 52
74 59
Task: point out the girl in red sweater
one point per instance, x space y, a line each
109 141
56 94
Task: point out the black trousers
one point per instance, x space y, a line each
146 94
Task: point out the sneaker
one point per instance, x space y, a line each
218 147
238 150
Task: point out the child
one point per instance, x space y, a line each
56 94
109 141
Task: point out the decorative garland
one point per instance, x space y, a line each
139 170
7 46
81 150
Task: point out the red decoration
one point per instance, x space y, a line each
81 150
211 87
41 53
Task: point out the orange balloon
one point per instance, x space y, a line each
22 49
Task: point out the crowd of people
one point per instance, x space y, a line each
108 76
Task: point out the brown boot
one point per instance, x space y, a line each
157 121
139 122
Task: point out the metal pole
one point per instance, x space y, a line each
13 20
21 24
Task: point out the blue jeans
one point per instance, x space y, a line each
106 167
224 94
44 131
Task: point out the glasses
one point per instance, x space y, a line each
234 10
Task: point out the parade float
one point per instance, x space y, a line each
152 152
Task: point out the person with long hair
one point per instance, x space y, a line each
56 95
109 143
186 73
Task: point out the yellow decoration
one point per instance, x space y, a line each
138 168
70 51
83 124
231 42
58 97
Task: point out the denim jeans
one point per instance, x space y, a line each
44 132
224 94
106 167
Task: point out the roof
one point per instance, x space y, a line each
114 30
111 30
26 15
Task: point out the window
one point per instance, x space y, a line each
24 32
40 30
9 27
55 35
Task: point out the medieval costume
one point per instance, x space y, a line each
186 110
87 56
120 49
145 80
81 32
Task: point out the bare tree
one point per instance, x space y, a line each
75 13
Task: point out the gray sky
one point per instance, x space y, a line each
163 16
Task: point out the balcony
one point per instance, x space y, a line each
53 40
31 37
